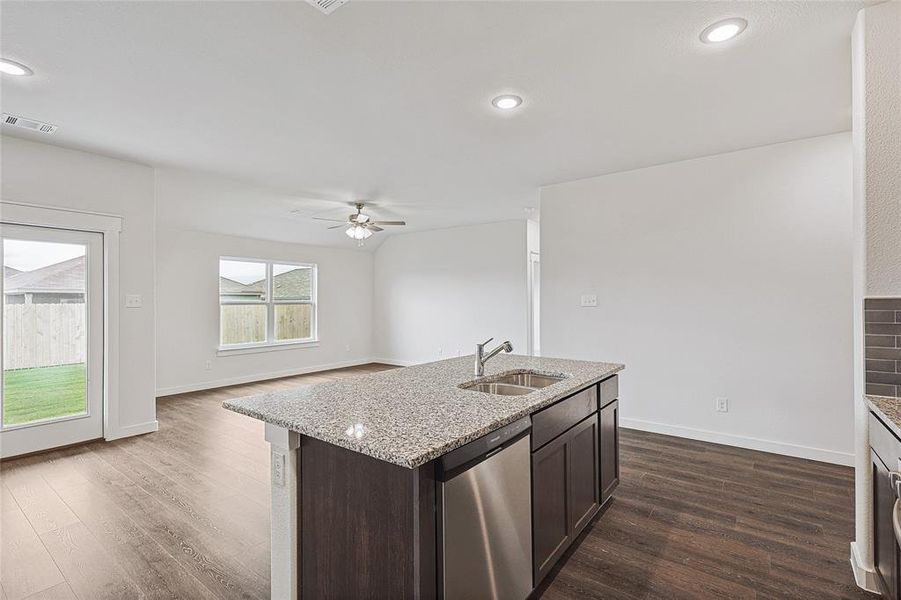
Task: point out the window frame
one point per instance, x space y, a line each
270 303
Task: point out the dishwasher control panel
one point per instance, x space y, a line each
483 446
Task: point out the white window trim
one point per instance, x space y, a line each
110 226
271 343
254 348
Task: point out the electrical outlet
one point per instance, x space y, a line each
133 301
347 347
208 365
589 300
278 469
722 405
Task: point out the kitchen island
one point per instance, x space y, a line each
360 470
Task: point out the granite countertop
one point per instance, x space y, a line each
888 409
413 415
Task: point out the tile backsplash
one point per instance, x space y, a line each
882 323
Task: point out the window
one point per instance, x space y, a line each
266 303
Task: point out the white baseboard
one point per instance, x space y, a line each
130 430
865 578
395 362
217 383
797 451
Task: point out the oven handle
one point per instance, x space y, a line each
895 480
896 520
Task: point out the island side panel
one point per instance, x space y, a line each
284 512
367 526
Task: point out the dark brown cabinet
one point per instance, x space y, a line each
884 544
609 449
550 519
565 492
885 456
584 496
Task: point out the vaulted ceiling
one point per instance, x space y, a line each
391 100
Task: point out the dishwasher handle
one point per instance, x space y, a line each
464 457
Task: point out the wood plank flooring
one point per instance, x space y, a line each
183 513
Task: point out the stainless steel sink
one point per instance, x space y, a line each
513 384
500 389
531 380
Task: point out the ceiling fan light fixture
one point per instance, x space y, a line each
357 232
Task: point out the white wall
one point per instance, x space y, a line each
881 122
46 175
876 84
724 276
188 311
440 292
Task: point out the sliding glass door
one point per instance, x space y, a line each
52 329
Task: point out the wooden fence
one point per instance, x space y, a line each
245 324
43 335
46 335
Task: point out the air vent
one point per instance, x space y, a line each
327 6
30 124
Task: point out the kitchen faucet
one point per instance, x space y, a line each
482 358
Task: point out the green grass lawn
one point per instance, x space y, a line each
43 393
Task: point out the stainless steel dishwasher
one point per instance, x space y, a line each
485 517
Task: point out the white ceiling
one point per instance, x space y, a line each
390 101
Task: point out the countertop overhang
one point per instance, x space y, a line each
412 415
888 409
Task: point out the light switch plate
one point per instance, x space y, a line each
589 300
133 301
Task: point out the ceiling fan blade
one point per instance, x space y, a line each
389 222
374 228
333 220
336 226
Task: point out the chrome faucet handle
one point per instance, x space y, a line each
486 342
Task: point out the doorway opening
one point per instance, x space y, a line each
51 326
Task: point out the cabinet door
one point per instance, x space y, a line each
884 544
609 449
550 510
584 491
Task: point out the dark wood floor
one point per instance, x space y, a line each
183 513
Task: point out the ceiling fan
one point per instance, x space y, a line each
359 225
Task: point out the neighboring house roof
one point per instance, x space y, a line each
230 287
65 277
295 284
9 272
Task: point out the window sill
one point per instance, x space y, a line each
235 350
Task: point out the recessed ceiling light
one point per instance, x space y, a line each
723 30
507 102
11 67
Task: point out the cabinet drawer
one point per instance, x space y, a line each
609 391
884 443
557 418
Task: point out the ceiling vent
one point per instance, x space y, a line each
30 124
327 6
